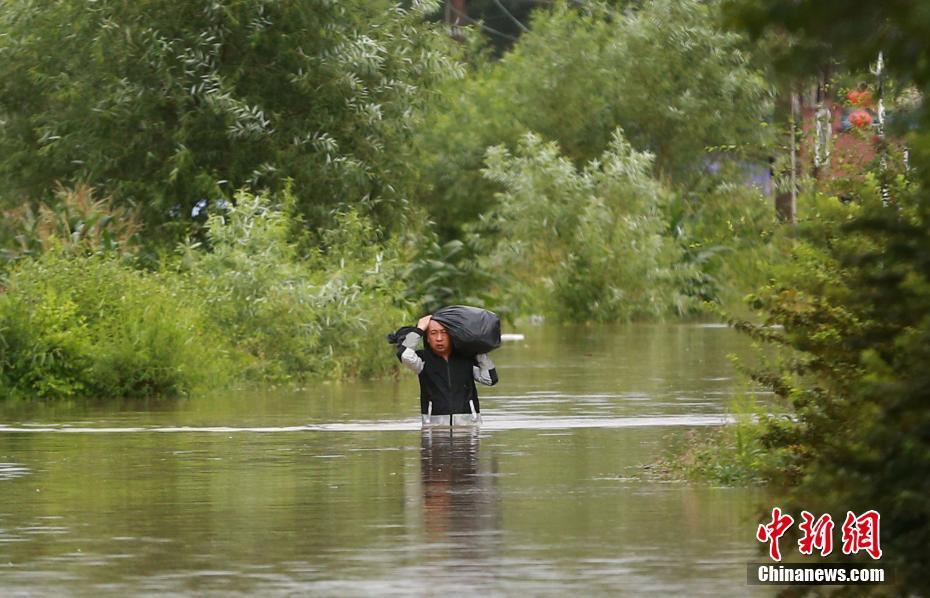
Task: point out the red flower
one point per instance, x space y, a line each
860 119
860 98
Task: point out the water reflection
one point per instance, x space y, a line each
336 491
459 504
9 471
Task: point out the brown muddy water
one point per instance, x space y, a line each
335 490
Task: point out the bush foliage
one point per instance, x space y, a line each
853 305
95 327
246 308
581 244
298 316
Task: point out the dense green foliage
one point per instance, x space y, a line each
852 307
666 74
161 104
75 324
730 241
682 91
93 326
584 245
849 311
331 168
298 316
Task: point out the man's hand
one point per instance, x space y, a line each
424 322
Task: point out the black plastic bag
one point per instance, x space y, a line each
473 330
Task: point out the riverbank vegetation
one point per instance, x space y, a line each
208 192
296 179
848 311
78 322
848 317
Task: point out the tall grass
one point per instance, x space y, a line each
732 454
244 305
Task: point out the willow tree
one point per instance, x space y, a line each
163 104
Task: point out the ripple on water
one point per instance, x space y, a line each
501 422
11 471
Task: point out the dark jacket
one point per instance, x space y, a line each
448 385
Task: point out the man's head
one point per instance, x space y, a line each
438 338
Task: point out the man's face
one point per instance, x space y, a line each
438 338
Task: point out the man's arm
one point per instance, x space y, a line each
485 372
407 354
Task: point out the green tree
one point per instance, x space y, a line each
666 73
161 104
854 304
581 244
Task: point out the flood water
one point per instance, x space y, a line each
335 490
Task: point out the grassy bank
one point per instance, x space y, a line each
739 453
243 304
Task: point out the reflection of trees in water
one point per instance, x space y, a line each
459 498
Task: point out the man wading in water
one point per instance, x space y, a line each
447 379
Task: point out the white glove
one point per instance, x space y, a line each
484 361
411 340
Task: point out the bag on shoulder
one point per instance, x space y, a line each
473 330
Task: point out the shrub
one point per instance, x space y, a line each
76 222
92 326
247 306
852 306
298 316
730 237
582 244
